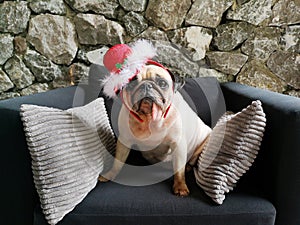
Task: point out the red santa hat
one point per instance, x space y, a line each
124 63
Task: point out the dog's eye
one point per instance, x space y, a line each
162 83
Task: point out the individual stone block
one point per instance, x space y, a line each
174 59
133 5
99 30
286 65
207 13
291 40
51 6
6 46
53 36
18 73
256 74
286 12
195 39
134 23
14 16
41 67
103 7
5 82
254 11
227 62
231 35
262 43
167 15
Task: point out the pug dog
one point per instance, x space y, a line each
155 117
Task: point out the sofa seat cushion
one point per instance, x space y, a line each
111 203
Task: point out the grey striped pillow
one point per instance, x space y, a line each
230 151
68 150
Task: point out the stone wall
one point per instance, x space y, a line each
46 44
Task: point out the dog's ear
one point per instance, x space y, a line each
178 81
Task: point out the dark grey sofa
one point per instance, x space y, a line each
267 194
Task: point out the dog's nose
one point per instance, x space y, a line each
146 86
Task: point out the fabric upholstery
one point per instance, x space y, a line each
115 204
205 97
276 171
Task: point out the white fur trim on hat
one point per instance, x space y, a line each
141 51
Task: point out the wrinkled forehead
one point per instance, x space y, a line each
153 71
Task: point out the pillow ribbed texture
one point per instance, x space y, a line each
68 150
230 151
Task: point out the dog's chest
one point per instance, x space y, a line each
146 137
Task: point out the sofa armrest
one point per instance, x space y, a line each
277 168
18 195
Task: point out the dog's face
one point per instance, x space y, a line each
150 93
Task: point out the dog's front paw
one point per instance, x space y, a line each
181 189
110 175
102 179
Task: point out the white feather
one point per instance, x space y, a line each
141 51
109 84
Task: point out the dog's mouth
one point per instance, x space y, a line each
148 106
144 106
